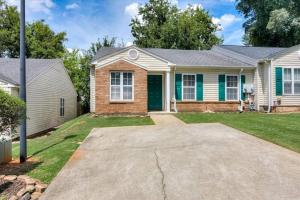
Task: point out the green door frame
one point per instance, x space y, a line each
155 92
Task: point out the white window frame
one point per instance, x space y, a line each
121 87
238 86
293 81
182 86
62 107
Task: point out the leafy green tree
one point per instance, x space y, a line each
161 24
78 65
271 22
12 110
41 41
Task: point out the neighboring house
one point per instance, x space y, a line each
135 81
51 97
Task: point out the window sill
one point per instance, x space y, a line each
291 95
121 102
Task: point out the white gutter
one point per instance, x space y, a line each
174 90
270 87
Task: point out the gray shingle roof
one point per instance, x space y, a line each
253 52
183 57
10 68
195 58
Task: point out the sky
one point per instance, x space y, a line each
85 21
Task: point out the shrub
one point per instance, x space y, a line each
12 110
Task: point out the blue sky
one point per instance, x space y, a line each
86 20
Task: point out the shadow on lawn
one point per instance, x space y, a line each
52 145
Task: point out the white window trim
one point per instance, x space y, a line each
238 86
293 81
121 87
188 87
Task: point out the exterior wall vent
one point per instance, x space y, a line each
133 54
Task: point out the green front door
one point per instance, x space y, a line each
155 92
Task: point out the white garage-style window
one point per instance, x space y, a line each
232 89
121 86
189 86
291 81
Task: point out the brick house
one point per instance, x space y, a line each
135 80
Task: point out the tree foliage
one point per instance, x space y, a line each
162 25
78 65
12 110
41 41
271 22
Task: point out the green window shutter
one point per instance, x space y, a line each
243 81
178 85
221 87
199 87
278 73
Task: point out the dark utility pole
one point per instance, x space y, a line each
23 142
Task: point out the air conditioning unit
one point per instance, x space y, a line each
248 88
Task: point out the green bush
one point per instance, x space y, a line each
12 110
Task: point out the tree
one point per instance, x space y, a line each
41 41
78 65
162 25
271 22
12 110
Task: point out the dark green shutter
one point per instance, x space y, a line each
199 87
278 72
178 85
221 87
243 81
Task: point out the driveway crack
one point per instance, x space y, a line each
162 176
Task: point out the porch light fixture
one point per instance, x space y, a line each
133 54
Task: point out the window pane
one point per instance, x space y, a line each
189 93
287 74
297 88
232 94
297 74
288 87
127 92
115 93
127 78
188 80
232 81
115 78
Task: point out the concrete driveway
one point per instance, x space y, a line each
177 162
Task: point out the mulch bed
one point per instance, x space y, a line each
10 188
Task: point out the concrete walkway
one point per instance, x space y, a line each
164 119
177 162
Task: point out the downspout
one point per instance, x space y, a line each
241 109
270 87
174 90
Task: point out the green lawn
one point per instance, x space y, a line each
50 153
281 129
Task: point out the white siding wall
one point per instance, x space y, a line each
43 100
92 89
288 60
211 80
143 59
262 84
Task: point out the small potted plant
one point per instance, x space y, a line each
12 110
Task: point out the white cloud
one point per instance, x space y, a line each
225 21
174 2
195 6
128 44
43 6
132 9
72 6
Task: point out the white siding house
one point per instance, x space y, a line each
51 96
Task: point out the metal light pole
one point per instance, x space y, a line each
23 142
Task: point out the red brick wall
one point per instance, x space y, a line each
102 89
206 106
